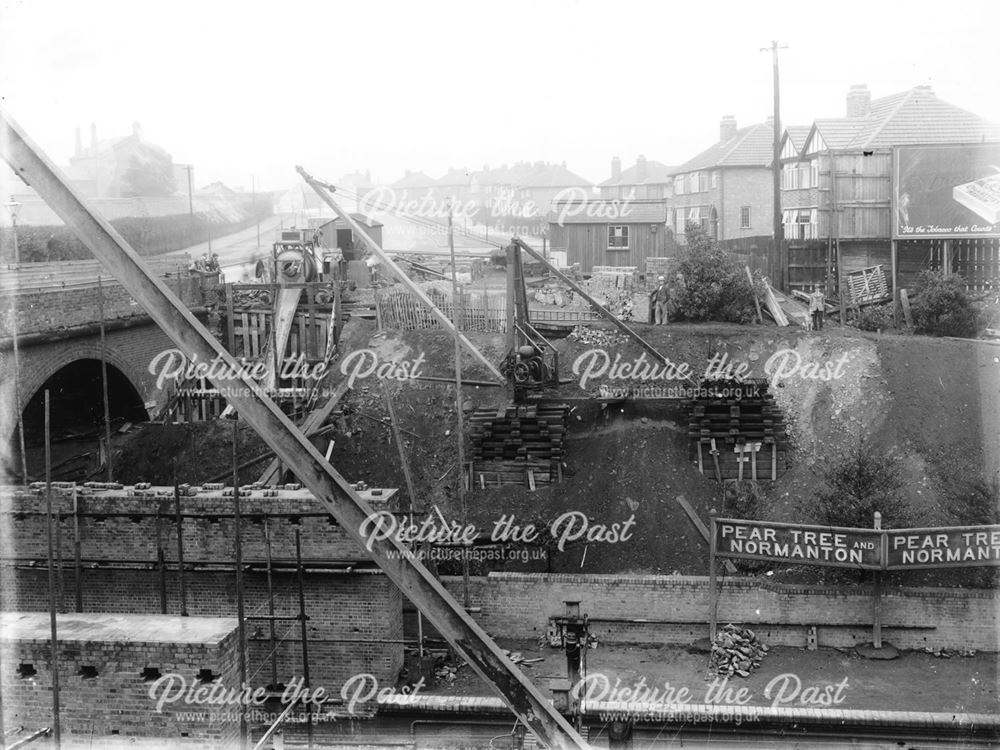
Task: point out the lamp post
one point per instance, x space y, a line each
14 207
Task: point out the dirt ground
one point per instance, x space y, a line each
916 681
933 401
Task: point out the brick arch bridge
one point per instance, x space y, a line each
57 327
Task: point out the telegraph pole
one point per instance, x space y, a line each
776 164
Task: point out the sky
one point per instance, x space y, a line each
247 88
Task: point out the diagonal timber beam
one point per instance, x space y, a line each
518 242
288 442
398 273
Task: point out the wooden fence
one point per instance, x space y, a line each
478 312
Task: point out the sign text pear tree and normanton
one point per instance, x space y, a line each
871 549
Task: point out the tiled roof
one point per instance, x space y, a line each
752 146
915 116
531 174
656 173
413 180
610 212
455 177
798 134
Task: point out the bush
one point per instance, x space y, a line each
875 318
861 480
942 307
715 286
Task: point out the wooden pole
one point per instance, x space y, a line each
161 560
241 643
270 607
77 567
303 630
230 323
54 643
713 595
893 250
877 598
17 393
181 583
104 382
456 306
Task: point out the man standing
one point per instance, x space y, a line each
817 308
658 298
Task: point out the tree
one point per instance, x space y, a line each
863 479
151 178
714 286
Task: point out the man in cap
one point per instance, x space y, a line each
658 298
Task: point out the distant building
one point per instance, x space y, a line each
645 180
602 232
727 188
415 185
455 184
356 186
124 167
838 186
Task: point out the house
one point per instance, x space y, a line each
336 234
356 186
455 184
645 180
124 167
610 232
910 151
728 187
414 185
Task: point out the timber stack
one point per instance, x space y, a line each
518 445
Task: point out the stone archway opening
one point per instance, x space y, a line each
76 416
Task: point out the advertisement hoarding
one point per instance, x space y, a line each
946 191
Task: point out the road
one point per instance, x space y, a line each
239 252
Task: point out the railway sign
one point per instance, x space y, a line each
953 547
795 543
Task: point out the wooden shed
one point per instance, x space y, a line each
611 232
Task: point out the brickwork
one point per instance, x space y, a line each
355 612
113 707
746 187
676 610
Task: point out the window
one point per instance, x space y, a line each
692 182
800 224
744 217
814 173
679 220
715 179
679 185
617 237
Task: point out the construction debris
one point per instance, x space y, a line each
596 337
736 651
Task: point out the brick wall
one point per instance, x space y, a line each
355 618
746 187
114 706
517 605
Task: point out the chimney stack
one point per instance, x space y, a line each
616 168
79 142
137 130
640 168
93 136
727 128
859 101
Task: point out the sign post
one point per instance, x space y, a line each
877 599
713 596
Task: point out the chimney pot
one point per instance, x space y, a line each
79 142
859 101
616 168
727 128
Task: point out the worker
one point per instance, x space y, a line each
372 262
658 298
817 307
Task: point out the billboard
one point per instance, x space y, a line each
946 191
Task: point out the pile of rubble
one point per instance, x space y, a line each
596 337
554 295
736 650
